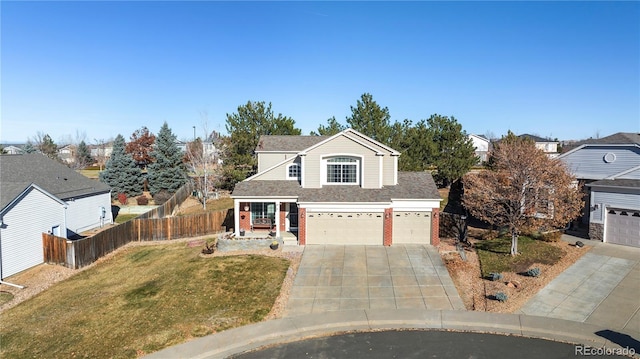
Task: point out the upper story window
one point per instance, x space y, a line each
293 171
342 170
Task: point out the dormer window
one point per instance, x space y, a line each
343 170
293 171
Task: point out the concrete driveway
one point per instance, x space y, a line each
332 278
601 288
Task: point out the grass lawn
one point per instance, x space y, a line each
141 300
93 174
195 207
495 258
121 218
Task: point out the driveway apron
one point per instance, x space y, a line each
332 278
602 288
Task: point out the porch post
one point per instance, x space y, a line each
236 217
277 219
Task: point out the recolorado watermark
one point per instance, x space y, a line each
586 350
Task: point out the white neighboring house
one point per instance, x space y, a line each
481 144
609 168
39 195
12 150
548 146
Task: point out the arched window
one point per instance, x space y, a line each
293 171
343 170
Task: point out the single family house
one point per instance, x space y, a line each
482 146
341 189
609 168
39 195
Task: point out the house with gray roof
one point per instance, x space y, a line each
341 189
39 195
609 169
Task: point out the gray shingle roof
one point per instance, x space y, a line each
411 185
626 183
287 143
536 138
17 172
620 138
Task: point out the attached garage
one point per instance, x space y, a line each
355 228
412 227
623 227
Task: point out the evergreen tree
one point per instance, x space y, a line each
245 128
29 148
332 127
168 172
83 155
48 147
454 154
121 172
370 119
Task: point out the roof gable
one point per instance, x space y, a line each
15 195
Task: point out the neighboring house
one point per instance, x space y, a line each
40 195
481 144
343 189
67 153
13 149
610 170
548 146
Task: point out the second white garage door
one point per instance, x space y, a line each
345 228
623 227
411 227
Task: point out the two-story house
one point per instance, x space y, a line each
609 169
341 189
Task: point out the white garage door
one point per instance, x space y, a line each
623 227
345 228
411 227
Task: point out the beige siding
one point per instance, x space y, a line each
370 167
389 170
277 173
268 160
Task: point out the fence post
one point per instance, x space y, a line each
71 255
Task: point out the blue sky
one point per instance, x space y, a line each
562 69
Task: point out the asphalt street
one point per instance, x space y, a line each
422 344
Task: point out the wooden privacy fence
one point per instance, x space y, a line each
82 252
167 208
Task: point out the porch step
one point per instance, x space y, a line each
288 242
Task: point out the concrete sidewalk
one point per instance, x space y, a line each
332 278
602 288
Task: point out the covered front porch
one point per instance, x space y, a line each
260 217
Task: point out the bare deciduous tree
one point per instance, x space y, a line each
522 190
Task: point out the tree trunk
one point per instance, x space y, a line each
514 242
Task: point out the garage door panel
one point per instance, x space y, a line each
623 227
412 227
344 228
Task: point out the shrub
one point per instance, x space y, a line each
122 198
161 197
490 234
502 297
142 200
553 236
533 272
495 276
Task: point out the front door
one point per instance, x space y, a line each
293 217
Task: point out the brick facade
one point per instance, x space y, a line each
388 227
283 216
245 216
435 226
302 226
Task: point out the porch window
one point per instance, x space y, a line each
342 170
263 210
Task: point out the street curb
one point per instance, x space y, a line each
291 329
